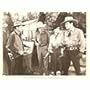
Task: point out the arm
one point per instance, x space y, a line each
36 42
50 45
10 42
48 38
82 42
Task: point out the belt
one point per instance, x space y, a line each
71 48
42 45
55 47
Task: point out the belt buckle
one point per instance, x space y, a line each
71 48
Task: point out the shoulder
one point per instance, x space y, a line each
57 28
12 34
80 31
52 36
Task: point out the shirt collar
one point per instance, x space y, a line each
72 29
17 32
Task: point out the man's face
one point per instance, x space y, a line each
41 29
68 25
19 29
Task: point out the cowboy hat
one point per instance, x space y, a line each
17 24
69 19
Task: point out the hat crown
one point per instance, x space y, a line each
69 18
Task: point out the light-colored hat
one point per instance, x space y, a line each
69 19
40 25
17 24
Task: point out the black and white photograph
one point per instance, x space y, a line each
44 43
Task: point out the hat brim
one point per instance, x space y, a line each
74 20
17 26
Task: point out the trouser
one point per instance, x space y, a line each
17 66
6 62
68 57
27 64
43 63
55 60
6 66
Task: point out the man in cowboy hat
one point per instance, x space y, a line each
42 41
15 46
74 43
7 29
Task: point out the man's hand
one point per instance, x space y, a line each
80 55
21 52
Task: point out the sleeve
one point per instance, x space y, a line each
9 42
60 39
82 41
50 44
48 38
4 38
36 38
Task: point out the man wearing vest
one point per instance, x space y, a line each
15 46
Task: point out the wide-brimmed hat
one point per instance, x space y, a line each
17 24
40 25
69 19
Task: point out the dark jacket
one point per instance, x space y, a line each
15 43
